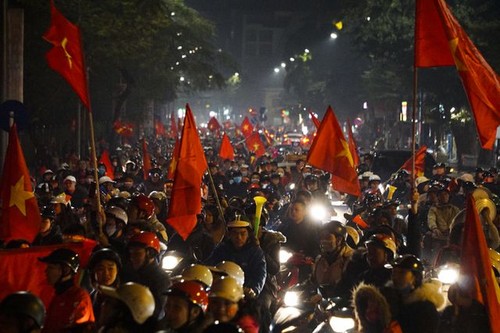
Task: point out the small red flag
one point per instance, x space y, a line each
146 159
255 145
419 162
173 126
246 127
174 160
438 31
330 152
159 128
186 191
476 271
66 57
314 119
20 214
123 129
107 162
353 148
213 125
226 150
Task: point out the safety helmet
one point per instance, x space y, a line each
336 228
145 239
191 291
63 256
309 179
410 262
199 273
374 178
233 270
119 201
495 261
143 203
227 288
118 213
352 234
48 213
158 195
383 241
104 254
24 303
371 199
137 297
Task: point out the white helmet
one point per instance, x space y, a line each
137 297
374 178
233 270
117 213
158 195
227 288
198 273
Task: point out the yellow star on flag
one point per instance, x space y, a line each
18 196
345 152
256 147
64 42
454 47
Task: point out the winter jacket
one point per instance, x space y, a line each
302 237
328 271
441 216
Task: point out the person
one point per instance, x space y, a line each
114 228
334 258
75 193
71 306
372 312
49 233
187 302
22 312
126 309
240 246
154 181
414 304
142 208
142 267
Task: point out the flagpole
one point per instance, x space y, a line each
96 174
216 195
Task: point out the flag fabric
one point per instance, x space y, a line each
213 125
330 152
123 129
146 160
436 28
314 119
476 273
226 150
419 162
186 191
159 128
20 218
104 159
174 160
255 145
66 55
30 275
246 127
173 126
353 148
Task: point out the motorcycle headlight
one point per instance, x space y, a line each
318 212
341 322
291 186
291 298
284 256
448 274
169 262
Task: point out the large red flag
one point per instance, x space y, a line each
20 214
246 127
174 159
66 57
330 152
441 41
226 150
146 159
107 162
314 119
186 191
476 271
353 148
255 145
419 162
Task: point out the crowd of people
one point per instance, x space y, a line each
376 257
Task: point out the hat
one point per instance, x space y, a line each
70 178
238 224
467 177
47 172
105 179
439 165
244 166
367 174
64 166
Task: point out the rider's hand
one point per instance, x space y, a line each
436 233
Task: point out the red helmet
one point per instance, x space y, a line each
143 203
192 291
145 239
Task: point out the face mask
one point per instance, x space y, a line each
110 230
255 181
244 173
237 180
115 164
101 171
305 174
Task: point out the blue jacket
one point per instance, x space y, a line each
250 258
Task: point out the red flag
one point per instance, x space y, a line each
107 162
186 191
173 126
226 150
66 57
255 145
246 127
476 271
213 125
419 162
314 119
330 152
174 160
123 129
159 128
20 214
30 275
437 28
146 160
353 148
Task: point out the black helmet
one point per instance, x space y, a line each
311 179
48 212
336 228
104 254
410 262
63 256
24 303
